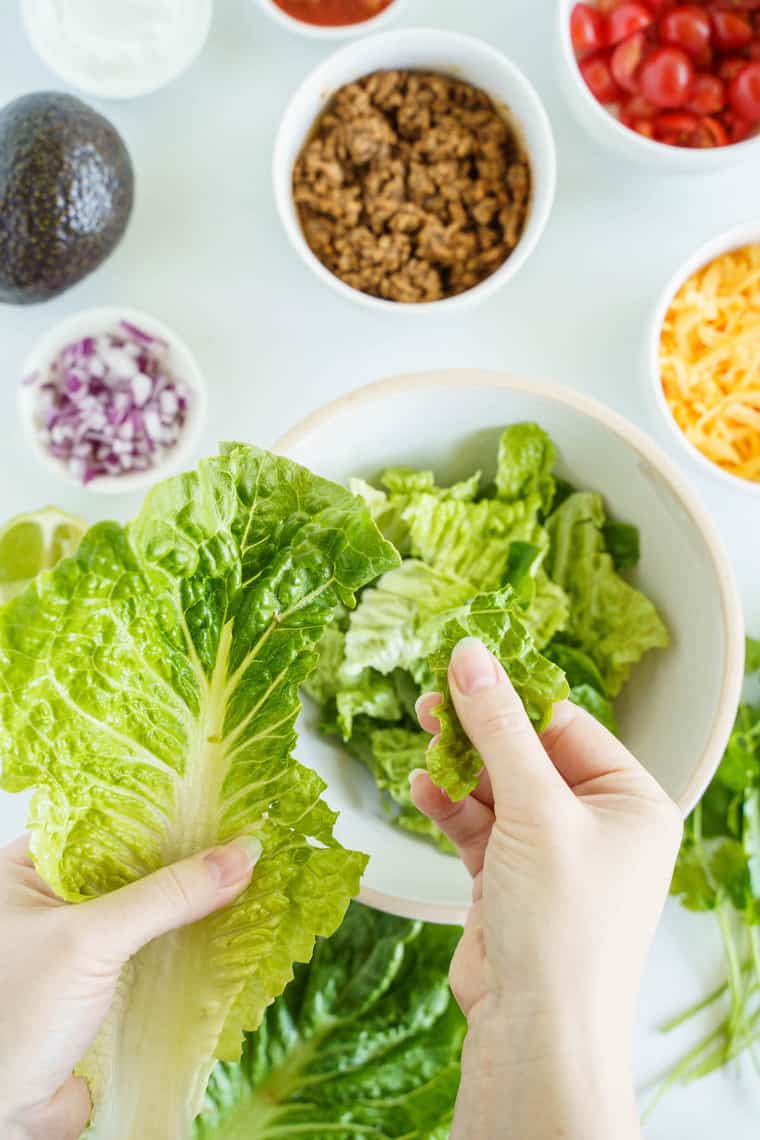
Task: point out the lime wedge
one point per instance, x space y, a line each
32 543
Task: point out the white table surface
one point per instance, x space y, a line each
205 253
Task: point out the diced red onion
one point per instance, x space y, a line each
109 404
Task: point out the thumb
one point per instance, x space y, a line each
496 722
126 920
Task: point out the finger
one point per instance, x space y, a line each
467 823
124 921
424 709
493 717
68 1113
582 749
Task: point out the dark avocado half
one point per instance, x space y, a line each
66 193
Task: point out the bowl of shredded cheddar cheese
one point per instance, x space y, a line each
703 355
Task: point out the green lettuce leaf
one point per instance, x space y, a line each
496 619
398 622
471 541
149 694
365 1042
525 464
609 619
394 753
752 661
623 543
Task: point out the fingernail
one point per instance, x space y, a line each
433 741
474 668
235 861
415 772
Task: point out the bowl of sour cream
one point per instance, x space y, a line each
117 50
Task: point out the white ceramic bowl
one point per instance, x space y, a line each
335 32
111 82
609 132
735 238
91 322
420 49
678 710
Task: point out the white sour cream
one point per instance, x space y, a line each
117 48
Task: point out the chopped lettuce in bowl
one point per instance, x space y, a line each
528 563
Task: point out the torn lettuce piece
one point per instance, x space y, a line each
370 694
394 753
471 541
398 622
601 707
497 620
609 619
365 1042
525 464
407 481
149 694
623 544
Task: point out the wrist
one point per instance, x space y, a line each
531 1071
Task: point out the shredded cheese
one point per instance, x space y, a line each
710 361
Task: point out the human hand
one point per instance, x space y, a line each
59 966
571 845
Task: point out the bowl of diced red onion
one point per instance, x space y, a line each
112 399
675 85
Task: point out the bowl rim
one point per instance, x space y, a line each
680 158
333 31
102 317
84 84
635 437
741 234
385 43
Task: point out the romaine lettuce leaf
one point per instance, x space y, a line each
471 541
609 619
398 622
149 693
365 1042
496 619
525 464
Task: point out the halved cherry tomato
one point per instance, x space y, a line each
626 60
754 49
730 67
675 127
744 92
708 95
666 77
737 128
731 30
638 115
709 133
595 69
687 26
588 29
628 17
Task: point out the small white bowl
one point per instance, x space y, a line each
336 31
45 38
428 49
678 710
607 130
738 236
91 322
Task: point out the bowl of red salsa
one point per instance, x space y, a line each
672 83
331 19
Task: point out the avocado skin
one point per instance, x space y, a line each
66 194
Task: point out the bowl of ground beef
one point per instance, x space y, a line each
415 171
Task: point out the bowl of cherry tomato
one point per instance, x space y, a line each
674 84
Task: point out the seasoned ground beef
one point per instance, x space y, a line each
412 186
